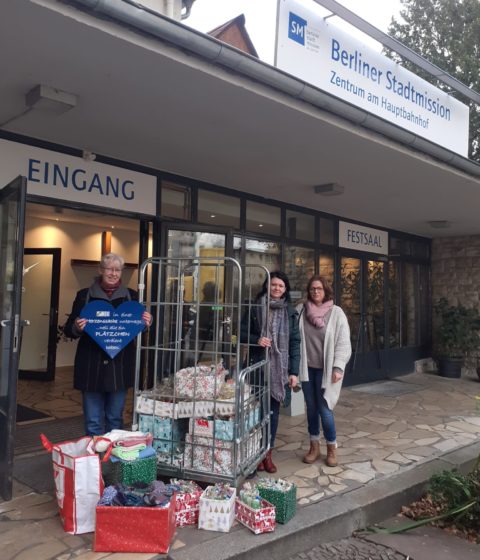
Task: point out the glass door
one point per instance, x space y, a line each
12 224
39 343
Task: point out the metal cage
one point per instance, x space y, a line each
202 386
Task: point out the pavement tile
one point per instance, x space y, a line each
351 474
43 551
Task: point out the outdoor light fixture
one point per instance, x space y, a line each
439 224
50 100
329 189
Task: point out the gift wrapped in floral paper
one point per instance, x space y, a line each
217 508
200 381
188 495
282 494
223 428
215 455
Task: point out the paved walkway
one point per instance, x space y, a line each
384 429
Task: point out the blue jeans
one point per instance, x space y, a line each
103 412
317 407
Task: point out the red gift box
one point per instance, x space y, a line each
135 529
260 520
187 507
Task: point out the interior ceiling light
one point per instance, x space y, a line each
50 100
329 189
439 224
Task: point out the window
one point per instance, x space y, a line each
263 253
409 323
327 234
326 267
176 201
394 288
262 218
299 267
375 305
350 294
300 226
218 209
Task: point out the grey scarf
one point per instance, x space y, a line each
277 331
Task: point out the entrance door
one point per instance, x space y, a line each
39 343
362 297
12 224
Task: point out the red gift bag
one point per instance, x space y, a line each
135 529
78 482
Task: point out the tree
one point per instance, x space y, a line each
446 33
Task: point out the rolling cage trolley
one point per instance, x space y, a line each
199 388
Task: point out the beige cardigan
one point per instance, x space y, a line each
337 350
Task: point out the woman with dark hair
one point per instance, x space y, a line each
278 334
103 380
325 351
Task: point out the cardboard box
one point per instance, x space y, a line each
260 520
217 515
135 529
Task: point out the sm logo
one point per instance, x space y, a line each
296 28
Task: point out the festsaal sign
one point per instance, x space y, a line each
69 178
323 55
361 238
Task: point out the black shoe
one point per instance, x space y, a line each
253 474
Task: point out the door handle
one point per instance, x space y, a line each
5 322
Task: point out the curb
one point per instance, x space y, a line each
333 518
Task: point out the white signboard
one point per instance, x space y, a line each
73 179
361 238
311 48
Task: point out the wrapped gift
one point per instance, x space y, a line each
259 520
149 403
217 513
282 494
135 529
168 433
199 382
187 502
215 455
168 459
223 429
128 472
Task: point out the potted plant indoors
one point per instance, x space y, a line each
456 335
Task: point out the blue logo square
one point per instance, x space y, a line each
296 28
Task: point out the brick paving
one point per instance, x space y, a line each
350 549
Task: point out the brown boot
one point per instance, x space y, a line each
314 452
331 459
268 463
261 466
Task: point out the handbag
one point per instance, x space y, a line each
78 482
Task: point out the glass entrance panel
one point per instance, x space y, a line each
299 267
350 289
375 305
394 289
409 305
12 221
261 253
37 279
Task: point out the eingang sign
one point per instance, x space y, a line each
321 54
63 177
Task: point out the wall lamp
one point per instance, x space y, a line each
50 100
439 224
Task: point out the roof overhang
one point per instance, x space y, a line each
226 119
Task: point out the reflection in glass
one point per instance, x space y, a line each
218 209
263 218
299 267
409 326
375 305
327 235
327 267
394 303
350 294
176 201
300 226
263 253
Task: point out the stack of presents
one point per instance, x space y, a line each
192 418
110 485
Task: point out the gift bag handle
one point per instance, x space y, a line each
46 443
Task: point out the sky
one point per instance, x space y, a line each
260 18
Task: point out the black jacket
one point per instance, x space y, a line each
94 370
250 333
